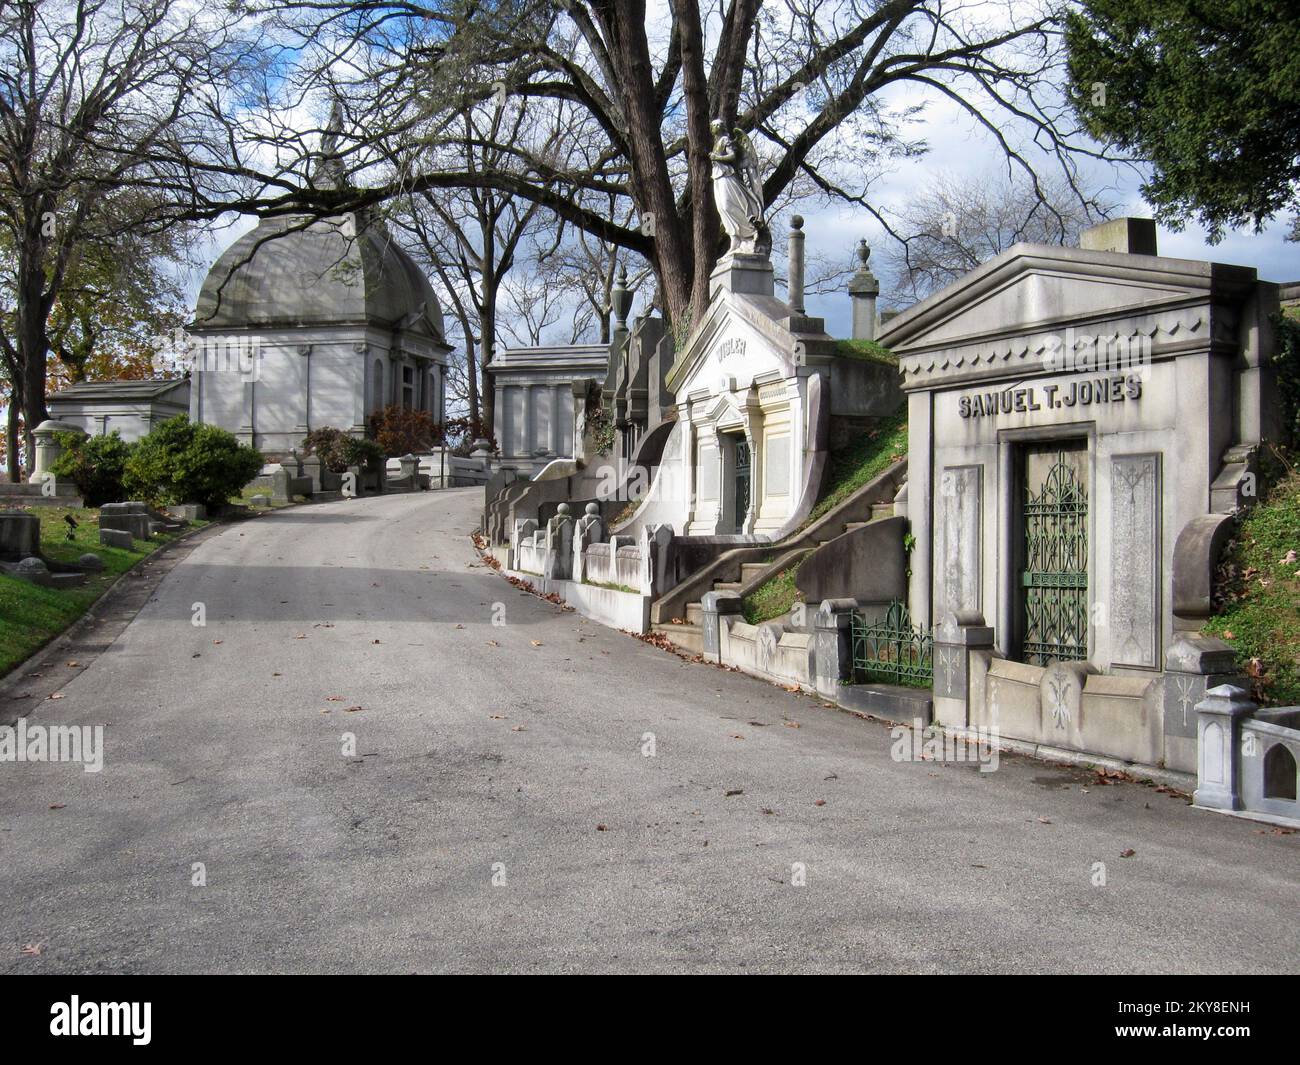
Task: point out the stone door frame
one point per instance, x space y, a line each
1010 528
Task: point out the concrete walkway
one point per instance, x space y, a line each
513 753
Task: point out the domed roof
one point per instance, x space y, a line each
318 275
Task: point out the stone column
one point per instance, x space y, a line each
833 629
955 640
1218 763
557 398
304 384
1193 665
714 606
863 290
794 287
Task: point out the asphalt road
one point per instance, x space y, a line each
498 813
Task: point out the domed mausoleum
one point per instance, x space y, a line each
301 325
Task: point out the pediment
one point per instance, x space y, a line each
727 352
1031 287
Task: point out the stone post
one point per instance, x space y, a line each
863 290
956 638
1193 665
833 650
589 529
794 288
408 469
654 557
1218 764
559 546
714 605
523 530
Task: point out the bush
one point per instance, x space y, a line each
337 450
95 464
399 431
184 463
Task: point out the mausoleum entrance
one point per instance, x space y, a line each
1052 614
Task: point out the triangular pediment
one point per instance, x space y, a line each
1032 287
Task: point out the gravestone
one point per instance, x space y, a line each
130 517
119 538
20 534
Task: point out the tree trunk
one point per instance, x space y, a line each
11 437
487 320
623 22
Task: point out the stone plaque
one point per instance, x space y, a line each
960 540
707 474
1134 616
776 461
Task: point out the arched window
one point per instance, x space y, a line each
1279 773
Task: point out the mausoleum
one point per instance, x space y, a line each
1082 423
302 324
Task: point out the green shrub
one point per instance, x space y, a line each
338 450
184 463
95 464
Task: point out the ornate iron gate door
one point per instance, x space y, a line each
743 467
1055 576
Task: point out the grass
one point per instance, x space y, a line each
1257 592
862 459
613 587
31 616
865 349
773 598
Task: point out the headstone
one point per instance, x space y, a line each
259 501
190 511
47 448
131 517
91 562
115 538
20 534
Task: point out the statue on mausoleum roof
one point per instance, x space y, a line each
738 191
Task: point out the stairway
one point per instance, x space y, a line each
687 632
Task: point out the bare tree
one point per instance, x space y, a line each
98 97
958 222
808 80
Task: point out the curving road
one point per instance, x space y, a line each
513 753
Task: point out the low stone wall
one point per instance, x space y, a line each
628 611
1248 757
1069 706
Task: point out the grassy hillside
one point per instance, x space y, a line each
860 461
1257 590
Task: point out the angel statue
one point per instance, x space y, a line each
738 191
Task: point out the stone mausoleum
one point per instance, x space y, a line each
302 324
1082 424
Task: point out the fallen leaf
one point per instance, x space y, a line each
734 791
536 643
1127 853
1044 820
601 828
58 806
56 695
301 636
333 698
519 728
819 802
790 724
353 709
73 664
31 950
737 736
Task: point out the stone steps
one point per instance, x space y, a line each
688 638
750 570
